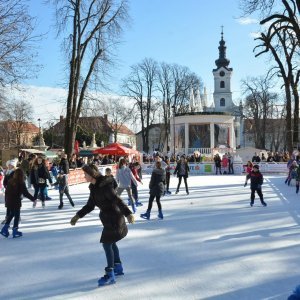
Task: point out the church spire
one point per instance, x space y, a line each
222 61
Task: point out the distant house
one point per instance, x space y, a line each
100 126
17 134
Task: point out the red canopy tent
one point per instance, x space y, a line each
115 149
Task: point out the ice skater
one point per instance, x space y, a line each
112 212
157 188
256 181
62 183
182 170
124 178
14 192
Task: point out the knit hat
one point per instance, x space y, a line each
12 162
256 167
91 170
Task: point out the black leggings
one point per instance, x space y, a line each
168 175
151 198
185 182
259 193
13 214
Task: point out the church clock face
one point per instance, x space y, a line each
222 73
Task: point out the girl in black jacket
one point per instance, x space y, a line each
157 188
15 190
182 170
39 176
112 212
256 179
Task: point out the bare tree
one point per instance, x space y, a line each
282 40
95 27
258 106
283 49
17 42
140 86
119 114
17 114
174 85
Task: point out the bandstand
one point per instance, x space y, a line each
205 132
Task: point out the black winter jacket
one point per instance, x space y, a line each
14 195
256 179
112 210
39 175
157 182
64 166
186 167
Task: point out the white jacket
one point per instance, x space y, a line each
124 177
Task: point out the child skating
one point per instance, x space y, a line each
256 180
63 188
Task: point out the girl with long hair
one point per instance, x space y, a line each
39 176
16 189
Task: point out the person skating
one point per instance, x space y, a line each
112 212
182 170
124 178
61 182
168 176
256 181
11 167
14 192
297 179
157 187
134 167
111 176
39 176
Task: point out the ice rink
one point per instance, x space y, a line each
210 245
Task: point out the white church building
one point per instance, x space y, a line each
209 129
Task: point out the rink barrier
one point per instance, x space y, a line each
209 168
76 176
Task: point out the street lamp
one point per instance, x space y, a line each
173 107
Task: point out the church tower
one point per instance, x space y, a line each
222 81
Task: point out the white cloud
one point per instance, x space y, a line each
254 34
48 103
247 21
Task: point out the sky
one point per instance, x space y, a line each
207 246
173 31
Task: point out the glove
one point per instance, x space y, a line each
130 219
74 220
245 184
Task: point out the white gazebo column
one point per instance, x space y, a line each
186 138
212 135
232 145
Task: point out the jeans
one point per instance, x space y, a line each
134 191
128 189
13 214
40 190
112 254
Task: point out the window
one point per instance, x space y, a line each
222 102
222 84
